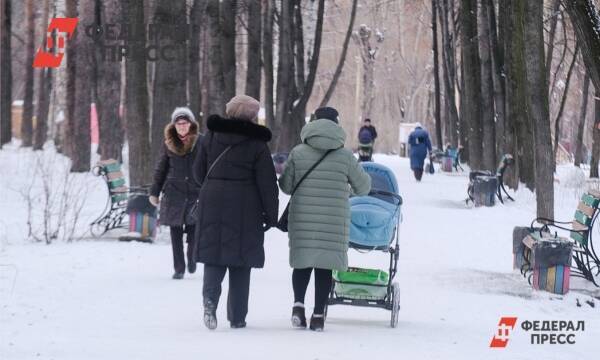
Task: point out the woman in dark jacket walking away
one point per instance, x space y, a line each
173 177
419 145
319 213
238 203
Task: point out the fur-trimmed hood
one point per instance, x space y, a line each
174 143
219 124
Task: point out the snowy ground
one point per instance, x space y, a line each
104 299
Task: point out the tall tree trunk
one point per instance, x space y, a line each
436 77
292 129
579 156
284 71
472 78
487 89
557 129
449 67
538 107
519 129
253 75
170 71
586 23
340 66
27 120
228 13
267 56
216 86
5 73
136 96
368 51
44 90
84 83
595 137
194 89
551 35
71 52
108 89
497 54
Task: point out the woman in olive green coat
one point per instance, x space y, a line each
319 213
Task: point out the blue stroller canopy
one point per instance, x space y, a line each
374 217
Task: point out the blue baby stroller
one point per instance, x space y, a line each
375 221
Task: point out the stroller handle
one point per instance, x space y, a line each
386 193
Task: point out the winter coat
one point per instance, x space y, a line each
239 196
173 175
419 145
371 129
319 214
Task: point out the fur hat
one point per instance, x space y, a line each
182 112
242 107
327 113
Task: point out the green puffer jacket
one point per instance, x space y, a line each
319 215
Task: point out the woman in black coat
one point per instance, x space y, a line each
173 177
237 204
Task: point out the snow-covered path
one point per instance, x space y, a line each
111 300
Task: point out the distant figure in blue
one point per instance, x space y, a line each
419 145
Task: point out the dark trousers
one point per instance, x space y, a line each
177 244
323 280
418 174
239 290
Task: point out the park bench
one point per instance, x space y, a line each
114 214
484 185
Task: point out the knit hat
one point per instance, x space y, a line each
242 107
327 113
182 112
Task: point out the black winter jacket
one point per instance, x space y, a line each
240 197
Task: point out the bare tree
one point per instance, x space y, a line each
367 41
557 128
538 107
108 86
79 120
5 72
216 80
302 89
228 12
554 17
581 127
342 61
170 87
472 79
487 88
44 90
253 75
436 76
449 67
497 53
136 96
194 88
585 20
28 109
267 56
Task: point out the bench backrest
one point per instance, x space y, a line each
111 172
584 216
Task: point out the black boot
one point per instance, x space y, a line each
191 265
238 325
317 323
210 315
178 276
298 317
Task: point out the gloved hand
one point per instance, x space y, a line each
153 200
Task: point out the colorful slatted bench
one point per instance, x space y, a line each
113 215
142 219
586 263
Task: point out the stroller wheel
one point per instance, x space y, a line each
395 304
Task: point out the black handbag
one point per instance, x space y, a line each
282 223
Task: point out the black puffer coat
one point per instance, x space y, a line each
240 194
174 176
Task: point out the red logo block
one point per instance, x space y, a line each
505 326
45 58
